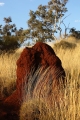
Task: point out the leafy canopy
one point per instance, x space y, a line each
46 20
10 37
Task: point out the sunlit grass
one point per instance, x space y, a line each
67 109
65 105
7 73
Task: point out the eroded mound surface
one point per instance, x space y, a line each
40 56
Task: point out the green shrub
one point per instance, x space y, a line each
64 45
9 43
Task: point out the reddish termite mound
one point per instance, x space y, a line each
40 56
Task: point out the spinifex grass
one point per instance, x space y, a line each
7 73
69 108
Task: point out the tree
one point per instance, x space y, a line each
46 20
9 35
75 33
8 29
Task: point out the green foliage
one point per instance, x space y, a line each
9 43
43 24
10 37
75 33
8 29
45 21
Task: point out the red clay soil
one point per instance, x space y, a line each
40 55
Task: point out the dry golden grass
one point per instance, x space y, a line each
70 58
7 73
69 109
71 62
35 110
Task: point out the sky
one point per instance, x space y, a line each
19 10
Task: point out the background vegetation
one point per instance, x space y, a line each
42 26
